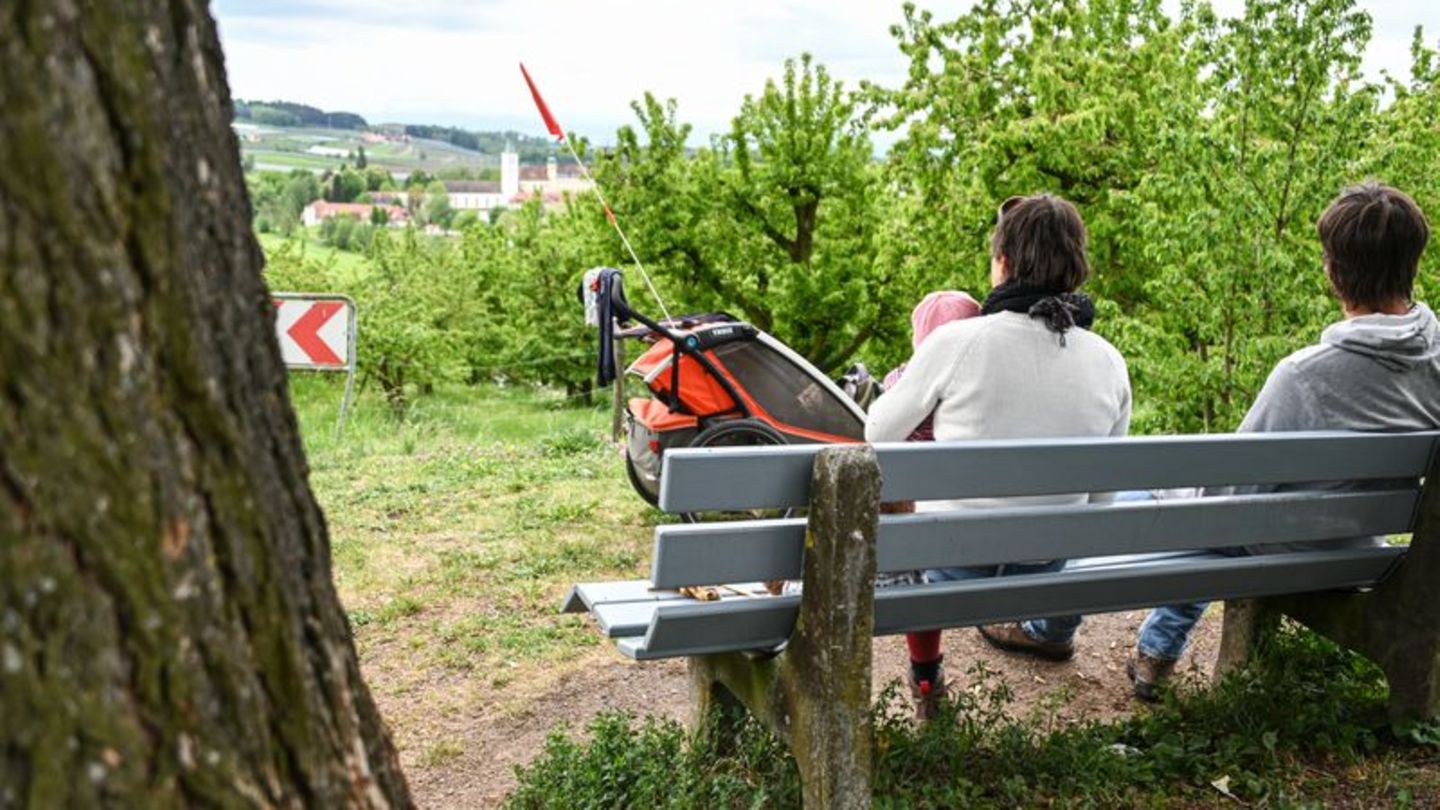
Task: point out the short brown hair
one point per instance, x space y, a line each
1372 236
1043 241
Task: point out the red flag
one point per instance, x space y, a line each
550 122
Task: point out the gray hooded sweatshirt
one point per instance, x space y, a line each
1375 373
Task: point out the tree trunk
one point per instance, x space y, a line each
169 631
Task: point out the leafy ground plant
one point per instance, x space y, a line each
1304 726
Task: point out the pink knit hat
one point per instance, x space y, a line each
938 308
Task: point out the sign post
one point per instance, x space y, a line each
317 333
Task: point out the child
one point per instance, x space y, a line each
926 681
934 310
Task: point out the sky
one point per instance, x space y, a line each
456 62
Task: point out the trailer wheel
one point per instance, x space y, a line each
643 491
737 433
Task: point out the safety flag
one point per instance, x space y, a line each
554 127
550 122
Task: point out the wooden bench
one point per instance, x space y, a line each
815 693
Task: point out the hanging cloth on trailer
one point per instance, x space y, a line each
601 290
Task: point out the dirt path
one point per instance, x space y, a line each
462 734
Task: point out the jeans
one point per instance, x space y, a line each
1060 629
1166 630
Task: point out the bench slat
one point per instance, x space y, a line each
711 553
624 619
702 479
627 619
587 595
707 553
765 623
1107 590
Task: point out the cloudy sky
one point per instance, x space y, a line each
448 62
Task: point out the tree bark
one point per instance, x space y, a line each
169 631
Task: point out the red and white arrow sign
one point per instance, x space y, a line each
314 330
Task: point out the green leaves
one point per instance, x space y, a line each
1200 150
776 222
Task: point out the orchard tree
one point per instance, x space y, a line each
776 221
532 261
170 633
1288 122
345 185
437 205
416 310
1080 99
1406 145
279 198
1200 150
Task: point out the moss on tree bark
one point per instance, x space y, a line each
169 631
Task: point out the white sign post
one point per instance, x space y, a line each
317 333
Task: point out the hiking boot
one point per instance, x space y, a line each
1013 638
927 695
1146 675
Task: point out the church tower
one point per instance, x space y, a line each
509 174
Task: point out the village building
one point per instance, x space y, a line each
321 210
551 183
554 178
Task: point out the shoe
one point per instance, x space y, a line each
1013 638
1147 674
928 695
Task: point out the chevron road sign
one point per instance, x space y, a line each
317 333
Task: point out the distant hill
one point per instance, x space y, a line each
290 114
529 147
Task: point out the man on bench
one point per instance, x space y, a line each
1377 370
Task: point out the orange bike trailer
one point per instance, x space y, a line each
713 381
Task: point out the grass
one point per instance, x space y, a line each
458 531
282 161
349 266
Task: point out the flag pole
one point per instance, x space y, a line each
610 215
560 135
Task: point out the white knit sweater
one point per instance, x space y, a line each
1007 376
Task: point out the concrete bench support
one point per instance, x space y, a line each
815 694
1396 625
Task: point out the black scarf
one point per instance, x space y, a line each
1059 310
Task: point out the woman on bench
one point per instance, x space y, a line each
1028 369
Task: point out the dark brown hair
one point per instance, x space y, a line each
1043 241
1372 236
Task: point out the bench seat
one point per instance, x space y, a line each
667 628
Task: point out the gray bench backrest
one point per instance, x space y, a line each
768 477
